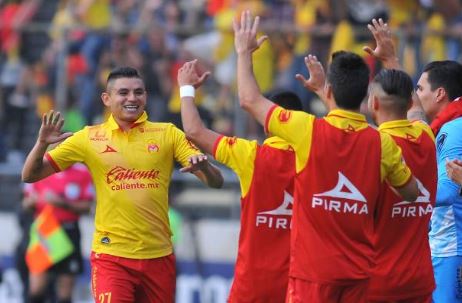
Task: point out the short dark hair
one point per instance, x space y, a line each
122 72
348 75
286 99
398 85
446 74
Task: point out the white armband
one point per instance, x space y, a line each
187 91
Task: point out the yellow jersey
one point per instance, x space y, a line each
131 171
297 127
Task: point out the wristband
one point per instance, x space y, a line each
187 91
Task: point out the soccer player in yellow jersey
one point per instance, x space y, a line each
131 161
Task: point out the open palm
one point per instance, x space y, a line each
50 130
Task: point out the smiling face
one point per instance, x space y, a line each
126 99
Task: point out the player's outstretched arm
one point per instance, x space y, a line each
189 79
385 47
36 167
194 128
409 191
454 170
204 170
245 43
317 80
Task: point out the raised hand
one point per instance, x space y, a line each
245 33
50 130
188 74
197 162
385 47
317 79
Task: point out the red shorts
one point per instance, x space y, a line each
301 291
422 299
122 280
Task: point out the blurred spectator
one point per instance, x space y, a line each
87 38
95 16
451 11
158 60
14 78
313 28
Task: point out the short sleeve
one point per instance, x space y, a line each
296 128
183 148
393 168
239 155
70 151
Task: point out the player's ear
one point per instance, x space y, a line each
328 90
375 102
441 94
105 98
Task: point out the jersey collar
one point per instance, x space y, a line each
394 124
347 114
111 122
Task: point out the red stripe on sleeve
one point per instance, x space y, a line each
268 116
52 162
215 146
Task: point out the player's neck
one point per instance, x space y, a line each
124 125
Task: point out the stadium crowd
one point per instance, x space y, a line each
57 53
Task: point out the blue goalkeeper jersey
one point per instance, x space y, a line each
446 222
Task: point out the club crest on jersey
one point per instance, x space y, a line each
343 198
153 147
284 116
440 141
231 141
278 218
421 207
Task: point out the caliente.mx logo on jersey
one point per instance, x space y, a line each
419 208
343 198
278 218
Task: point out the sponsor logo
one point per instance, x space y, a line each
343 198
284 116
119 173
99 136
109 150
278 218
421 207
150 129
105 240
